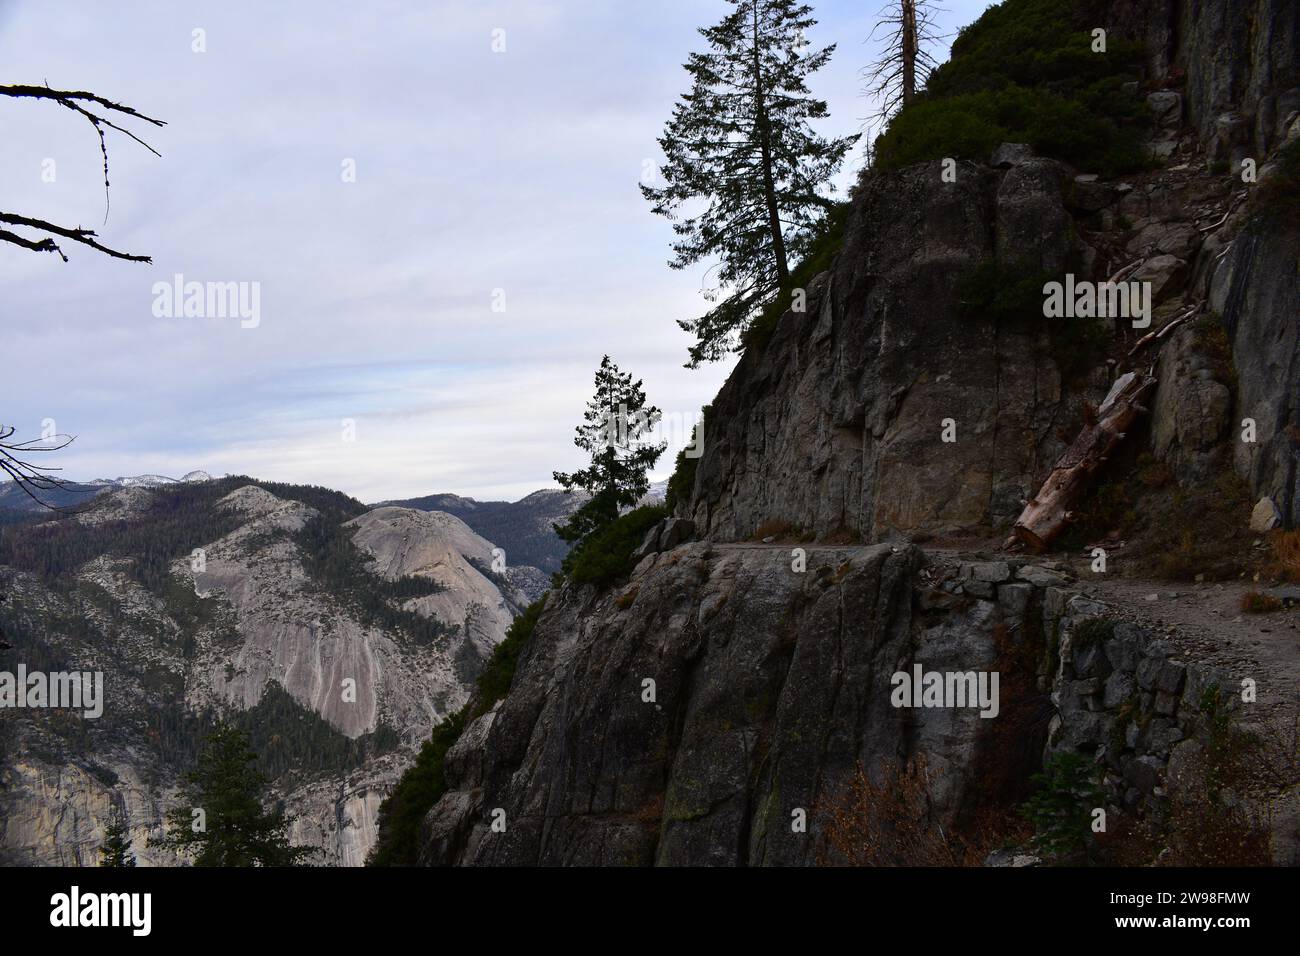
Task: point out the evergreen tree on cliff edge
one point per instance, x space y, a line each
741 140
614 427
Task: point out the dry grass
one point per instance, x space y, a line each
1252 602
1219 810
1199 531
893 823
1208 825
1284 556
1270 761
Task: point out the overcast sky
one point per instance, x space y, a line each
481 178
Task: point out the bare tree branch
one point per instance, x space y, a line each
26 475
84 236
74 100
14 455
44 92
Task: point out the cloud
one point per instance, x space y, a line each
475 172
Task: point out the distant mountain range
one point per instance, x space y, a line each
73 493
523 528
300 593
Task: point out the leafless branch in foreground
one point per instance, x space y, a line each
96 110
26 474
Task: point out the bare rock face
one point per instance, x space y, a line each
116 506
694 715
837 426
341 816
685 726
291 637
1256 290
1190 416
56 814
430 544
1238 56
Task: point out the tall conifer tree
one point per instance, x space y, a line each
741 140
116 848
233 829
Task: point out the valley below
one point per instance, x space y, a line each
336 635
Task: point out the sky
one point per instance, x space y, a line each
435 204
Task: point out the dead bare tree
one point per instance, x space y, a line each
909 30
97 111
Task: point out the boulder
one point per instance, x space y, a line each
1144 773
1179 239
992 572
1166 108
675 531
1042 577
1264 516
1089 195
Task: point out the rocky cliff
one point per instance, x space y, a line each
717 705
837 427
714 709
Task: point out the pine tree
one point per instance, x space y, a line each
233 828
116 848
741 140
616 423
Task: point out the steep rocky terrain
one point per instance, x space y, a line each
697 709
771 686
339 697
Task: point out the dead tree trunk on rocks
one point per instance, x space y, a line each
1051 510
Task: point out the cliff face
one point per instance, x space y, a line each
684 718
1240 60
837 426
690 714
1256 288
717 708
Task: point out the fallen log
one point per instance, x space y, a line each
1048 513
